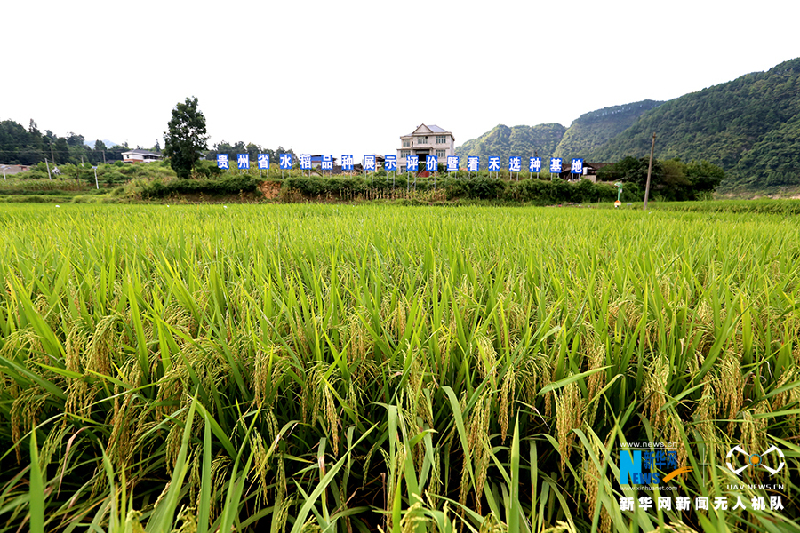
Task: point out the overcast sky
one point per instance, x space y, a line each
351 77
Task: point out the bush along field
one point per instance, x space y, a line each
406 369
455 188
76 183
157 182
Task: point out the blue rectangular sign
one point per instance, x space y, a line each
452 163
347 162
431 162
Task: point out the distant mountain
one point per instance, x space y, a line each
519 140
587 133
594 129
749 126
109 144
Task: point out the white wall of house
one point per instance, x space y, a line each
425 141
133 157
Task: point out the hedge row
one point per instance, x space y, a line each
211 187
480 188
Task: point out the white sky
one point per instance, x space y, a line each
351 77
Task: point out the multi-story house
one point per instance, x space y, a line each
140 156
424 141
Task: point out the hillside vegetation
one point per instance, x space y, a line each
749 126
518 140
594 129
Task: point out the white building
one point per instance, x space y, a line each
424 141
140 156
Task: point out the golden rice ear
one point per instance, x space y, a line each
654 390
569 416
730 388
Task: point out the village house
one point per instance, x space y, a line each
589 171
13 169
140 156
425 141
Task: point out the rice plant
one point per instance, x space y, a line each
362 368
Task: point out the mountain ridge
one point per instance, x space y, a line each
749 126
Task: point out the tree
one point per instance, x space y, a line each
62 151
704 176
186 137
74 139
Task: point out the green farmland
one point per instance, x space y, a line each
347 368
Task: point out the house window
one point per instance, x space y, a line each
422 140
404 153
439 153
441 139
406 144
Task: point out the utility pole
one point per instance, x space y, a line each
649 172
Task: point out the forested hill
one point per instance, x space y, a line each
594 129
749 126
588 132
519 140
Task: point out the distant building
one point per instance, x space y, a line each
589 171
13 169
140 156
316 161
425 141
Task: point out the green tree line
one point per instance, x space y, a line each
21 146
224 147
671 180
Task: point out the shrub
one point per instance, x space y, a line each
225 186
207 169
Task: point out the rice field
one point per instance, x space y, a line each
347 368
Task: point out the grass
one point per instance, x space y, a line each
349 368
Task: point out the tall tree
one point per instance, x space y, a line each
74 139
186 137
62 151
